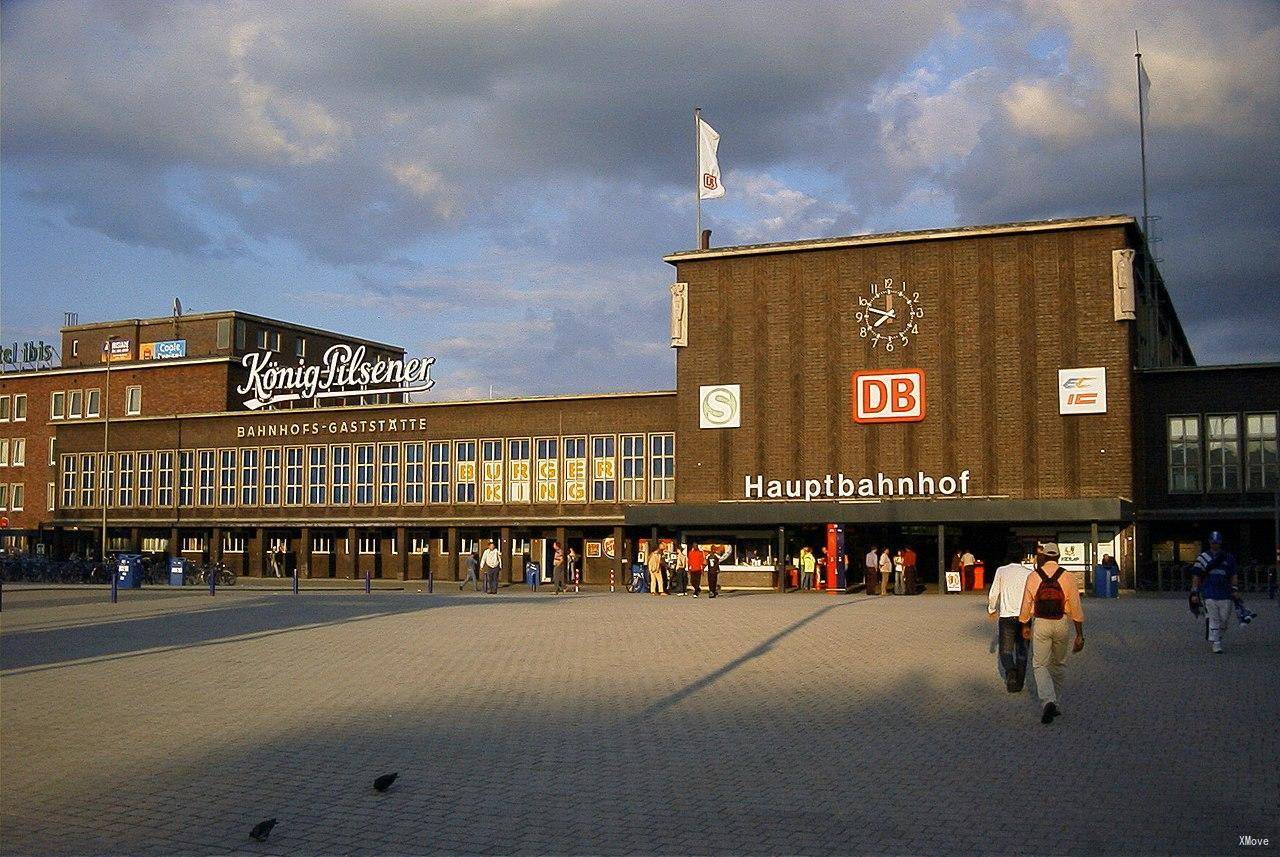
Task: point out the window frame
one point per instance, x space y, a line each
414 473
628 485
667 482
1195 460
609 483
1262 441
362 485
129 409
482 448
471 495
346 486
515 480
56 412
90 393
19 407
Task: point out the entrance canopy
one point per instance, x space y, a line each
956 511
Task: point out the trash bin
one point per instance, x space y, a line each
532 573
979 575
1106 581
177 571
129 571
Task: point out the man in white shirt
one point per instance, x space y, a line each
490 563
872 565
886 570
1005 601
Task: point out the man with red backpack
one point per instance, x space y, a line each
1050 601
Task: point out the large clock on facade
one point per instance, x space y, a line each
890 315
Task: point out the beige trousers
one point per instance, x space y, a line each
1049 656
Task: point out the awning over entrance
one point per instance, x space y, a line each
957 511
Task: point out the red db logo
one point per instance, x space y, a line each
888 397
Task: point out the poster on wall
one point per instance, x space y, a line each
593 550
609 548
953 581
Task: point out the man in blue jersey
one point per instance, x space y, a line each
1213 584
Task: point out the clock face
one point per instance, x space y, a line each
890 315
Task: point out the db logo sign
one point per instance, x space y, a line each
720 406
1082 391
708 181
888 397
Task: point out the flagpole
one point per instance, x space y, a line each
1153 311
697 178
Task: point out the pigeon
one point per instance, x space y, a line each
262 830
382 783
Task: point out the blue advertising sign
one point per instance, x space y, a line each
168 350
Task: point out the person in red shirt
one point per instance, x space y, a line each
909 560
697 560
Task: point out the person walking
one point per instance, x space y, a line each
886 570
871 569
1004 604
557 567
490 565
697 560
899 574
682 570
713 572
473 572
1050 605
967 564
909 560
573 568
807 564
656 586
1214 585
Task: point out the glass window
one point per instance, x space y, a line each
146 478
239 335
132 401
51 496
58 404
518 470
53 459
17 497
546 487
224 334
1184 454
604 468
293 476
389 474
4 452
75 408
465 453
226 477
249 477
413 473
164 479
186 477
208 477
322 544
233 542
19 456
364 473
575 470
263 340
107 493
88 473
5 405
490 471
124 494
19 407
300 347
4 496
1262 464
93 403
271 476
632 478
317 475
1224 452
662 467
366 545
341 456
68 481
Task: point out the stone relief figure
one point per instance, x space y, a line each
679 314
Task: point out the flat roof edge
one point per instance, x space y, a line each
897 237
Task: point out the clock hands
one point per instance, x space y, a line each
884 316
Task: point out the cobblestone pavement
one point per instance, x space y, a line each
620 724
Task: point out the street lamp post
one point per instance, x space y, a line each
106 434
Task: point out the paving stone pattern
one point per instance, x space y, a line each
170 723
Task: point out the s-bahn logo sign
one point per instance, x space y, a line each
342 371
720 406
1082 391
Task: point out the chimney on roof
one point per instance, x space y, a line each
704 242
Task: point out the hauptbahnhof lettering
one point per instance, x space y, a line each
947 389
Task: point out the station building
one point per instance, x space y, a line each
952 390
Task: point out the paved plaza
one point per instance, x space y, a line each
620 724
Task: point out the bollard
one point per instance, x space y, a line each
295 581
368 583
213 581
115 586
611 580
431 583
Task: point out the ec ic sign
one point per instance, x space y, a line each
888 397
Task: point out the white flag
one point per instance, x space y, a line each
709 186
1144 92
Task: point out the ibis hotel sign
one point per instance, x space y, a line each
342 371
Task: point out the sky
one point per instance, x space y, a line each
495 184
